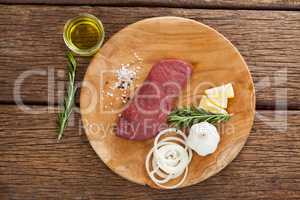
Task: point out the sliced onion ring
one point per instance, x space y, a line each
170 159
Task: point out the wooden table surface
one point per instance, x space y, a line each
33 165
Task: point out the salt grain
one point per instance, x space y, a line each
110 94
137 57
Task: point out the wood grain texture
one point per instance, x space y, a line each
228 4
31 39
34 166
214 61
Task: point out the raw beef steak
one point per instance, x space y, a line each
147 112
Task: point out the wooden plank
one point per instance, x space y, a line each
34 165
31 39
231 4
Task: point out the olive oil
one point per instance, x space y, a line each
84 34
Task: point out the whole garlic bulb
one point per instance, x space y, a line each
203 138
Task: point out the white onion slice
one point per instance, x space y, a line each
170 158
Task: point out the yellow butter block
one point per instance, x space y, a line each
221 91
207 105
220 101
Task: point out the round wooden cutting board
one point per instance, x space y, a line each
215 62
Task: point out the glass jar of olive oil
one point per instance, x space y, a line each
84 34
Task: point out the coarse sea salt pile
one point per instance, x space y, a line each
125 77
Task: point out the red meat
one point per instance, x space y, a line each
147 112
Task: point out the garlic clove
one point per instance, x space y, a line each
203 138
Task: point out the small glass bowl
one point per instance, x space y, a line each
85 17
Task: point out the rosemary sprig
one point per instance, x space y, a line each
187 116
64 115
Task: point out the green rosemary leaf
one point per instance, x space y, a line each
187 116
72 62
68 104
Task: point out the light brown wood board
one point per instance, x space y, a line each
215 61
